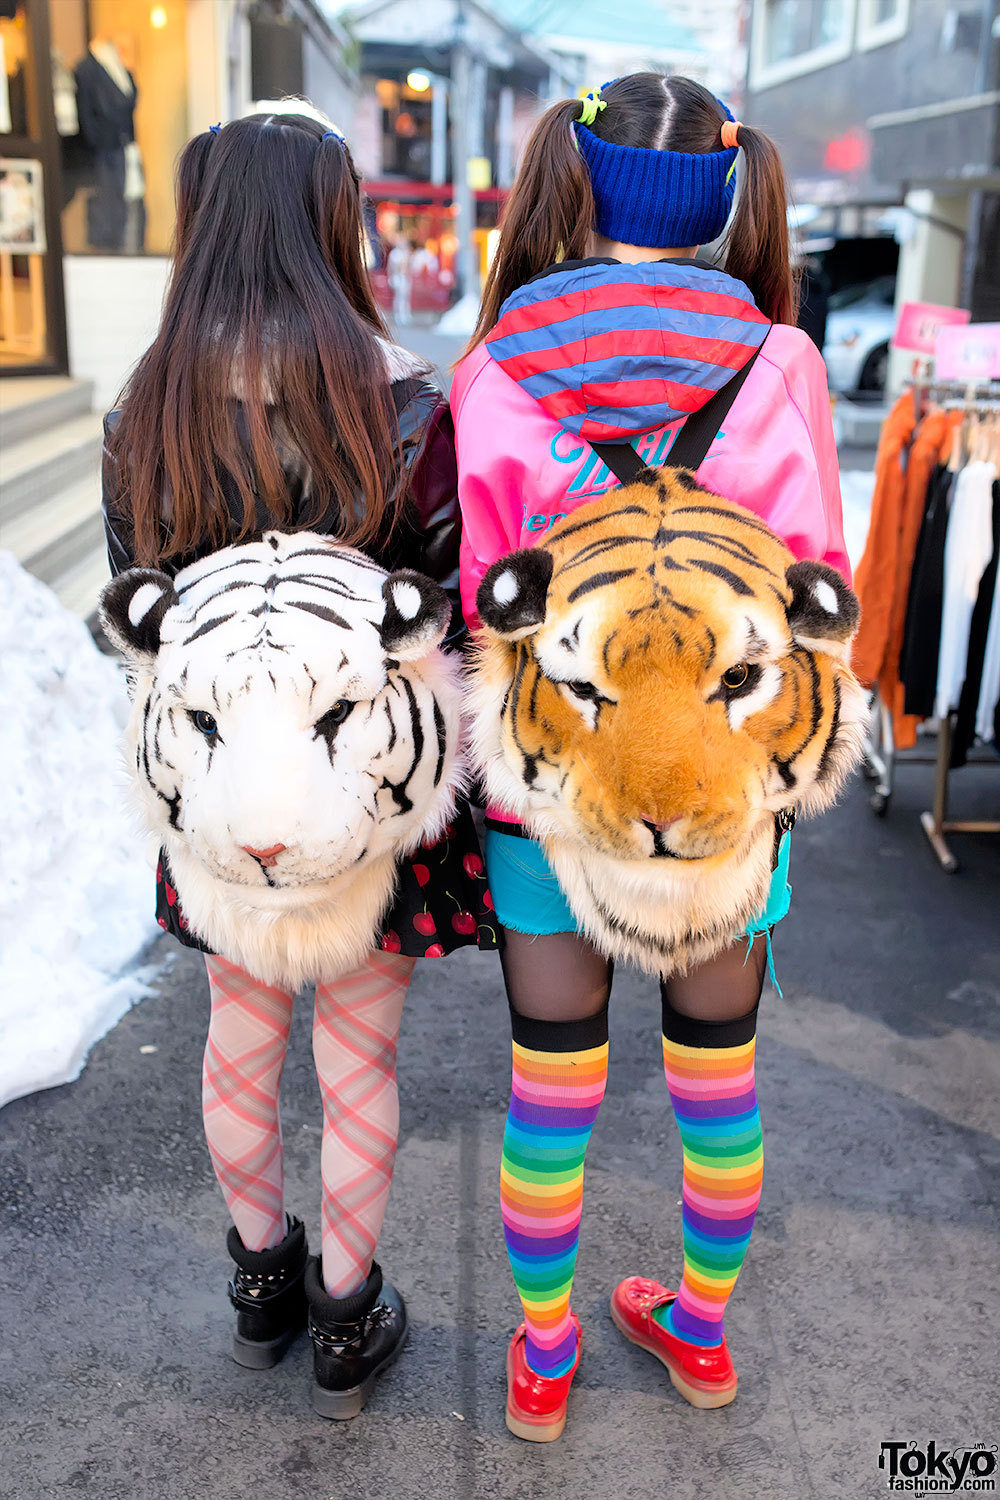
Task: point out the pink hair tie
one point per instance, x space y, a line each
730 133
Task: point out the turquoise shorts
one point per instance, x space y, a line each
528 897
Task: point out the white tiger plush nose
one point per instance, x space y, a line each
266 857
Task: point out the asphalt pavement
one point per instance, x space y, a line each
866 1312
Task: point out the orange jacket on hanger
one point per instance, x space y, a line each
875 573
882 580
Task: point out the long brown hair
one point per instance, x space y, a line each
192 164
549 215
269 332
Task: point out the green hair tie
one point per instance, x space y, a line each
591 106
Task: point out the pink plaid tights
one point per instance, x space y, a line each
355 1030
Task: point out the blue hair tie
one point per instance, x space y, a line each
335 135
214 129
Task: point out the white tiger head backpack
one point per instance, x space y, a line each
294 729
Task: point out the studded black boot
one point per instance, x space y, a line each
354 1339
267 1293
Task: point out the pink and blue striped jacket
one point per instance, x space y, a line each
610 352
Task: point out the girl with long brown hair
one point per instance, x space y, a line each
604 330
272 398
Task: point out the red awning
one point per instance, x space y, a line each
425 192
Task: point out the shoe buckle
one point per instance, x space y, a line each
332 1343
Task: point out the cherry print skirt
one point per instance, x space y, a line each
442 900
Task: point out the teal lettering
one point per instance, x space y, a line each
537 523
554 519
663 447
579 479
565 458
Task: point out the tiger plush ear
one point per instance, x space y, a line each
417 615
512 595
132 607
824 613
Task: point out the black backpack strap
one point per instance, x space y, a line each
622 459
691 445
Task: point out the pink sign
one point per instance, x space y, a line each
969 353
918 324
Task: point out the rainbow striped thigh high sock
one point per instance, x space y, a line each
559 1073
710 1074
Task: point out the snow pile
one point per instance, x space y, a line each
76 893
856 487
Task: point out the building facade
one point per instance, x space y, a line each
448 92
97 98
876 103
601 42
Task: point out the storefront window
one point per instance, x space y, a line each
24 293
119 77
407 126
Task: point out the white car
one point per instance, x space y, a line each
859 326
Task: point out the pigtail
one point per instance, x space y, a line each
548 216
756 242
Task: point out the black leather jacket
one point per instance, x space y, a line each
427 538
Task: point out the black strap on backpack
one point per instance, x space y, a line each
691 444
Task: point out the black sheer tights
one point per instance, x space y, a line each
562 977
725 988
559 976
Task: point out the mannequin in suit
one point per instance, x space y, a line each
105 99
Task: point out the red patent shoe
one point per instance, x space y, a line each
536 1404
705 1377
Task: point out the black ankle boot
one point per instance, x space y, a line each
354 1339
267 1293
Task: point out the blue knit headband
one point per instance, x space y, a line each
663 199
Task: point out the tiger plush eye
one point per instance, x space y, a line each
334 716
585 690
204 722
736 676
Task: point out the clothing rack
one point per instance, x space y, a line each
936 823
955 395
879 764
880 755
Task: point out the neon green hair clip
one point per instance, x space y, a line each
591 106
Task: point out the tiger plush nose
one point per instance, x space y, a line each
266 857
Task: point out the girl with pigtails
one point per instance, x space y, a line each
603 322
272 398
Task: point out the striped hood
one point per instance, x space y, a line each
612 350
